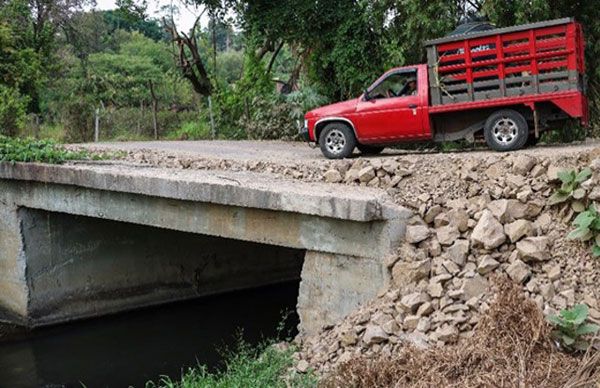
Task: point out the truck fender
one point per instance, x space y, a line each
320 124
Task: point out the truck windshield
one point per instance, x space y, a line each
398 84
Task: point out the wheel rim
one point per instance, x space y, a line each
335 141
505 131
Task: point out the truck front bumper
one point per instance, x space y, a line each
304 135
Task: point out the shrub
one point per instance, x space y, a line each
191 130
587 228
270 119
30 150
12 111
571 181
571 328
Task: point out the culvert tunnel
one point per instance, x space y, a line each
81 266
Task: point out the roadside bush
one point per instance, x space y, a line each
30 150
270 119
12 111
303 100
192 130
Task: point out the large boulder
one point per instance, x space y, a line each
374 334
518 271
446 235
518 229
534 248
522 164
405 273
488 232
332 176
416 233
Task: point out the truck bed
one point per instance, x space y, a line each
521 64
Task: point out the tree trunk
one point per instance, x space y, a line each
272 61
193 68
214 44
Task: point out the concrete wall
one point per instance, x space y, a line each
13 288
80 266
333 286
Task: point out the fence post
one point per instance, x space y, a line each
97 125
212 119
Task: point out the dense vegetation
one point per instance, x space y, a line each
259 64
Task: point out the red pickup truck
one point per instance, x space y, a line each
505 85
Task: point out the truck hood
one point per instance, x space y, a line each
336 109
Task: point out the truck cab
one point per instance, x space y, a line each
393 109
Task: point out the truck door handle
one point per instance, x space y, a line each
412 106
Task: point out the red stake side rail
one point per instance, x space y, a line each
517 65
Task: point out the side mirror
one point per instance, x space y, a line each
366 95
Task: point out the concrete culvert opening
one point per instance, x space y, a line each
80 267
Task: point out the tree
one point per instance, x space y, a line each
189 59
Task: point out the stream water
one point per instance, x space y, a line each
132 348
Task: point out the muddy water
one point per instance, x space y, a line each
132 348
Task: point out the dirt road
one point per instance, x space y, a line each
294 152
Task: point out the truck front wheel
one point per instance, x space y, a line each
337 141
506 130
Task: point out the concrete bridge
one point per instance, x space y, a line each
85 240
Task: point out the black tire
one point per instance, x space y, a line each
506 130
369 149
337 141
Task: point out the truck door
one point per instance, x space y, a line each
392 110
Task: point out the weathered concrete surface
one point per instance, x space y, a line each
247 190
80 266
333 286
45 257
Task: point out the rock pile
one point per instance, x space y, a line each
440 277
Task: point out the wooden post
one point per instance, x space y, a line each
212 119
97 125
154 110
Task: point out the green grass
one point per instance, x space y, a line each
31 150
245 366
191 130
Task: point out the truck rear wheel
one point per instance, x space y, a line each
337 141
506 130
369 149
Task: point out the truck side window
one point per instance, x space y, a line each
396 85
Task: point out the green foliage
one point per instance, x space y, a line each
302 101
192 130
570 187
230 65
587 222
12 110
30 150
587 228
130 20
270 119
571 328
263 366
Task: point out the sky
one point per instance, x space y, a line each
185 20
